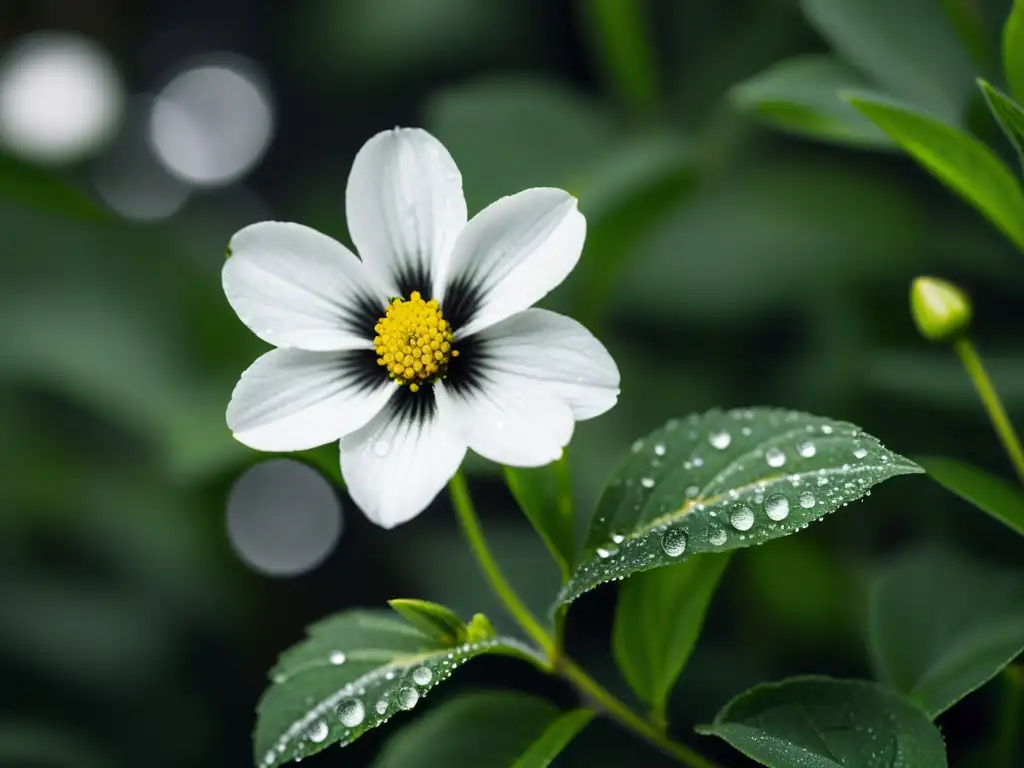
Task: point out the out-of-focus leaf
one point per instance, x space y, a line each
801 96
658 618
963 163
764 234
1008 114
969 21
548 135
485 730
353 672
621 45
725 480
991 494
36 188
909 47
939 380
544 496
817 722
937 651
1013 50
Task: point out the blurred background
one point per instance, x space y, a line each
151 568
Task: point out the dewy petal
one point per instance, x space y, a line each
295 287
559 352
513 253
293 399
398 463
405 208
511 419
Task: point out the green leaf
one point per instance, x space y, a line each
937 651
801 96
961 162
1013 50
1008 114
485 730
34 187
431 619
353 672
724 480
544 496
909 47
658 618
991 494
817 722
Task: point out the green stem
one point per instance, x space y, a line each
620 42
485 559
566 667
563 498
990 398
1010 715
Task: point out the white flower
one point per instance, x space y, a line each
425 347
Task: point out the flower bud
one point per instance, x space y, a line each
940 309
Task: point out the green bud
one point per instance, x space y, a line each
940 309
480 628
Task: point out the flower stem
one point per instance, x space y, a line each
470 523
558 664
990 399
1011 709
620 42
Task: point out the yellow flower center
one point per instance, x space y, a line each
414 341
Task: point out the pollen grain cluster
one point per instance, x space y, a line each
414 341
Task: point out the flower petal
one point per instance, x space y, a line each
293 399
511 254
559 352
511 419
295 287
405 208
398 463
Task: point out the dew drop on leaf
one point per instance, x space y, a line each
807 449
381 707
337 658
717 536
774 457
776 507
647 482
618 538
673 541
742 517
807 500
408 697
660 449
351 713
860 453
318 732
720 439
422 676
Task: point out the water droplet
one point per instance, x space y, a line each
280 678
747 431
337 658
351 712
318 732
647 482
807 449
692 491
742 517
776 507
660 449
860 453
807 500
637 445
381 707
720 439
673 541
717 535
698 461
826 429
603 553
382 448
422 676
407 697
774 457
822 481
618 538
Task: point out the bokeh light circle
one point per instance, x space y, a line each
283 517
61 98
212 123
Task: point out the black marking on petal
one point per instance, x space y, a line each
413 275
465 374
362 315
414 407
361 371
462 300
